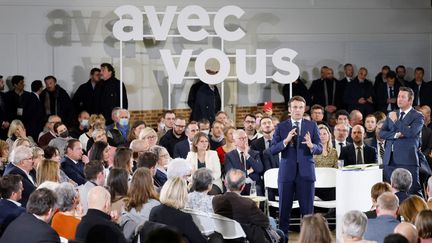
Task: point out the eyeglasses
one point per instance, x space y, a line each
151 137
181 126
250 122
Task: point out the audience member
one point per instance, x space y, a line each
385 222
33 226
95 176
135 130
359 93
11 188
123 159
341 131
162 164
386 94
429 192
50 134
66 220
421 89
370 126
423 224
148 160
173 198
377 142
97 226
118 131
355 118
83 123
410 207
329 157
17 130
62 138
4 155
73 162
150 136
354 226
314 228
395 238
408 230
179 168
100 152
198 199
86 97
117 184
401 181
142 197
175 135
48 170
94 122
227 147
168 118
376 190
216 135
358 152
182 148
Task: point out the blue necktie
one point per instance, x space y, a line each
402 114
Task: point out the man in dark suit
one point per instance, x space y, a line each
11 188
340 132
298 140
33 226
402 130
246 160
359 93
22 164
377 143
182 148
35 114
72 163
358 152
86 98
298 88
242 210
173 136
422 90
97 226
426 145
264 142
17 101
386 93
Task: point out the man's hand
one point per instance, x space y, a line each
308 141
393 116
362 101
85 159
370 100
291 134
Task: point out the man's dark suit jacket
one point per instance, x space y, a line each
381 96
181 221
35 116
232 160
258 144
181 149
269 160
317 92
356 90
160 178
425 93
8 212
348 154
169 140
299 88
29 187
426 145
73 171
97 227
244 211
86 98
28 229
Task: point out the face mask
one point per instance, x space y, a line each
84 123
124 122
64 134
205 131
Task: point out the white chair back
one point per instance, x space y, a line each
271 178
325 177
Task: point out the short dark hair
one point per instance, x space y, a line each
93 70
41 201
265 117
400 66
9 184
147 160
16 79
1 76
316 107
57 124
409 90
249 115
109 67
36 85
395 238
296 98
167 112
203 121
342 113
49 152
419 69
70 144
50 77
92 169
347 65
391 74
385 67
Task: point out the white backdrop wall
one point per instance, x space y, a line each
67 38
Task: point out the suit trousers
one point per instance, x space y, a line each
301 189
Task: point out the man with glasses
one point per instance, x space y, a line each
249 124
340 132
182 148
173 136
22 164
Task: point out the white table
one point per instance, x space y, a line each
353 192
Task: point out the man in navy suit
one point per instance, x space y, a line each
358 152
182 148
246 160
73 162
402 130
298 140
11 189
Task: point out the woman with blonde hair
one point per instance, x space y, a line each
202 157
228 146
4 155
47 170
173 198
38 156
329 157
17 130
314 228
410 207
149 135
141 198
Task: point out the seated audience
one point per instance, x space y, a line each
329 157
141 198
150 136
98 134
66 220
48 170
45 138
148 160
401 181
81 127
173 136
62 138
198 199
370 125
202 157
245 211
216 135
182 148
100 152
95 176
341 131
4 155
97 225
386 220
354 226
123 160
118 186
119 130
227 147
376 190
429 192
358 152
73 162
408 230
314 228
410 207
173 198
162 164
11 188
423 224
94 121
38 156
135 131
33 226
395 238
52 153
22 164
179 168
17 130
377 142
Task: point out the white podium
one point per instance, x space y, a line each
353 192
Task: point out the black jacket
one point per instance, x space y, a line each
60 104
86 98
110 98
206 104
348 154
29 187
169 140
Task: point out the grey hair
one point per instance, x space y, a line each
117 112
354 224
96 132
66 195
157 150
388 201
237 184
202 179
178 168
401 179
21 153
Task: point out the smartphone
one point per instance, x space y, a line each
268 105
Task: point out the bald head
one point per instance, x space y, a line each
357 134
99 198
235 180
408 230
356 118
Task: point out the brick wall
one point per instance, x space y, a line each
151 116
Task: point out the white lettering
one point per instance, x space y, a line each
260 71
160 31
289 66
219 23
176 75
136 23
224 66
185 21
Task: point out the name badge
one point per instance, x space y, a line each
19 111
